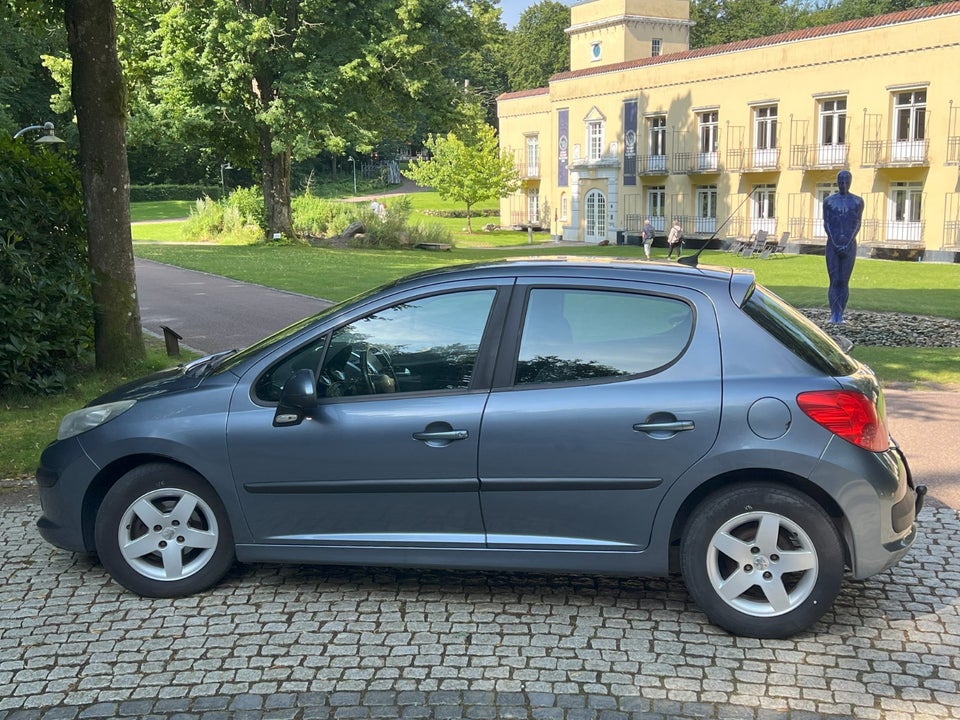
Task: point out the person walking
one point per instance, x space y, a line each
646 234
675 239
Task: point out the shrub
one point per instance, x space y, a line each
238 219
149 193
315 217
46 327
387 230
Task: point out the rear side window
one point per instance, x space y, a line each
575 334
799 334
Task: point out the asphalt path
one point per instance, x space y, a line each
214 313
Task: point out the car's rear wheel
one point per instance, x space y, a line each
162 531
762 560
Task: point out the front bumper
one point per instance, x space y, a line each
63 478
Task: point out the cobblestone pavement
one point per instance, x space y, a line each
304 642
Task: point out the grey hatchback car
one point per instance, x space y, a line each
557 414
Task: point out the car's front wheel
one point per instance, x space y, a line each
762 560
162 531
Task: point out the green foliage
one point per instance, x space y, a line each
316 217
46 326
236 220
539 47
470 170
388 229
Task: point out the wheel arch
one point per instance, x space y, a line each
107 478
753 475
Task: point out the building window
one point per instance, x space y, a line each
822 191
595 140
904 218
764 208
656 206
833 132
533 156
563 206
533 206
910 110
595 51
706 219
709 141
656 46
765 136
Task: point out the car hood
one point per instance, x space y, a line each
177 379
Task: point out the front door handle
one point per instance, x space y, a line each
447 435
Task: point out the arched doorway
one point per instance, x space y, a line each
595 217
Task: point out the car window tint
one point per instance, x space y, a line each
799 334
430 343
576 334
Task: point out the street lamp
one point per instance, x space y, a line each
46 138
354 163
223 183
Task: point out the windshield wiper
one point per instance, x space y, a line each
206 365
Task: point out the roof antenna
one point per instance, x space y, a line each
692 260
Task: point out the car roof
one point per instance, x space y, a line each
570 266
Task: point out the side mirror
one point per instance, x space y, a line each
298 399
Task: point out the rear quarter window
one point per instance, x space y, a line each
797 333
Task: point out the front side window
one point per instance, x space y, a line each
427 344
572 335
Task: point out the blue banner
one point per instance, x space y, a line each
563 145
630 142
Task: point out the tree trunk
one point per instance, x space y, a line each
100 100
276 187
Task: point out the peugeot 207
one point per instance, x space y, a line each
567 415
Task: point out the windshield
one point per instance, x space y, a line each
799 334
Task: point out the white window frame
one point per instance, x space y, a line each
765 136
708 140
832 131
706 209
905 212
595 140
657 206
909 125
533 155
764 215
533 205
656 143
821 193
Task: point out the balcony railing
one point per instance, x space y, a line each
953 150
877 233
818 157
896 153
652 165
695 163
753 159
529 171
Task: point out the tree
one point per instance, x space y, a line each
272 81
538 47
99 96
469 170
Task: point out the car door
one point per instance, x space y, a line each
609 394
390 456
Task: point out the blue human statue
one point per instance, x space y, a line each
842 212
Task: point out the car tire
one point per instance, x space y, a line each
161 531
762 560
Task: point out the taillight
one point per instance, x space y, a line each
847 414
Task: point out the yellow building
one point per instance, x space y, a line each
754 131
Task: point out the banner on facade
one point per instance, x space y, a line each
630 142
563 119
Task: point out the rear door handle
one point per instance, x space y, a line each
672 426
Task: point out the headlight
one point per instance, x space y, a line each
90 417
